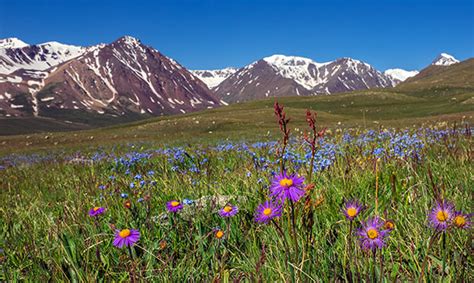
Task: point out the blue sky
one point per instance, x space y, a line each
215 34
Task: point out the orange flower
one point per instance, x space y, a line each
163 244
219 234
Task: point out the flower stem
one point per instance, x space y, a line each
295 240
287 252
311 165
374 275
381 267
426 257
376 187
349 246
228 229
444 256
130 251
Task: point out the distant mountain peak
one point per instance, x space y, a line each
400 75
35 57
213 78
129 40
12 42
282 75
124 78
300 69
284 60
444 59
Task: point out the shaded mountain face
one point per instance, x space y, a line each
255 81
280 75
121 78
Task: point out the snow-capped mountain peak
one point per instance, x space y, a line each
122 78
279 60
129 40
12 42
303 71
400 74
281 75
35 57
213 78
63 52
444 59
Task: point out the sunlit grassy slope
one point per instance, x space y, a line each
443 95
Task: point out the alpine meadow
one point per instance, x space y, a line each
120 164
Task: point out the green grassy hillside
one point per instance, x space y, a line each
459 76
255 120
436 94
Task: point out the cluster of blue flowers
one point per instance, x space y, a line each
378 144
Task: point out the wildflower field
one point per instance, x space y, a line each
354 205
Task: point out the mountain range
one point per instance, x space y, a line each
129 79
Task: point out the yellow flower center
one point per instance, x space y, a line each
219 234
174 203
442 216
286 182
351 211
267 211
372 233
227 208
124 233
96 208
460 221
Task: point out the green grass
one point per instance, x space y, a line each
255 121
436 94
48 235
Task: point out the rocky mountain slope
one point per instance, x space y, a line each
281 75
121 78
127 80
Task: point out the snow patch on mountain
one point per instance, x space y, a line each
400 74
213 78
444 59
302 70
37 57
12 42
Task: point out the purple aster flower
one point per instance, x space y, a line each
462 220
284 187
372 235
351 209
174 206
126 237
441 215
267 211
228 211
96 211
